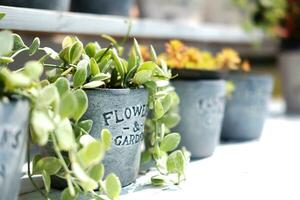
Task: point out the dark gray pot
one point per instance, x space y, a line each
62 5
109 7
202 105
13 140
123 112
247 109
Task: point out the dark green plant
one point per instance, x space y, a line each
91 66
55 115
266 15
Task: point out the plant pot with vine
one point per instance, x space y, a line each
118 93
248 103
202 97
61 5
108 7
15 107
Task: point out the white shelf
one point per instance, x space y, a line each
35 20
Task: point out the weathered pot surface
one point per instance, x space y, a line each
201 108
247 108
13 142
123 112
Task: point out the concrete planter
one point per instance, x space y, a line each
290 73
247 109
202 105
13 142
62 5
123 112
109 7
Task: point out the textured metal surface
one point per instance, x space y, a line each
123 112
247 109
13 143
201 109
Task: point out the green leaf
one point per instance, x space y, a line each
66 195
90 49
14 80
62 85
49 164
86 125
153 54
112 186
158 109
94 67
97 172
6 60
67 105
106 138
48 95
18 42
53 54
82 104
2 15
6 41
137 50
91 154
93 84
166 102
118 63
67 42
170 120
46 180
158 180
170 142
142 77
176 162
75 52
42 126
35 159
86 182
33 69
80 75
34 46
149 65
65 136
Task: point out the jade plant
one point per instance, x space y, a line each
92 66
55 124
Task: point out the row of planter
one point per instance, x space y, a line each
91 91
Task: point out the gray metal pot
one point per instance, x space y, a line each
109 7
62 5
247 108
290 73
13 140
202 105
123 112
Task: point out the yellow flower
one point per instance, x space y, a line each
228 59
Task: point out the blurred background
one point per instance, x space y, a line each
266 32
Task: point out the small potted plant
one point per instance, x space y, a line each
52 111
108 7
118 91
202 97
247 106
62 5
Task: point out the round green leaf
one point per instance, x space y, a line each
49 164
80 75
176 162
97 172
94 67
42 126
86 125
6 41
18 42
106 138
33 69
65 136
91 154
93 84
82 104
75 52
112 186
62 85
67 105
158 109
170 142
66 195
142 77
158 180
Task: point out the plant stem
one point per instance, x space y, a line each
30 175
54 66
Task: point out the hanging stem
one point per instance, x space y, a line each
30 175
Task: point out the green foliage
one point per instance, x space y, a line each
264 14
